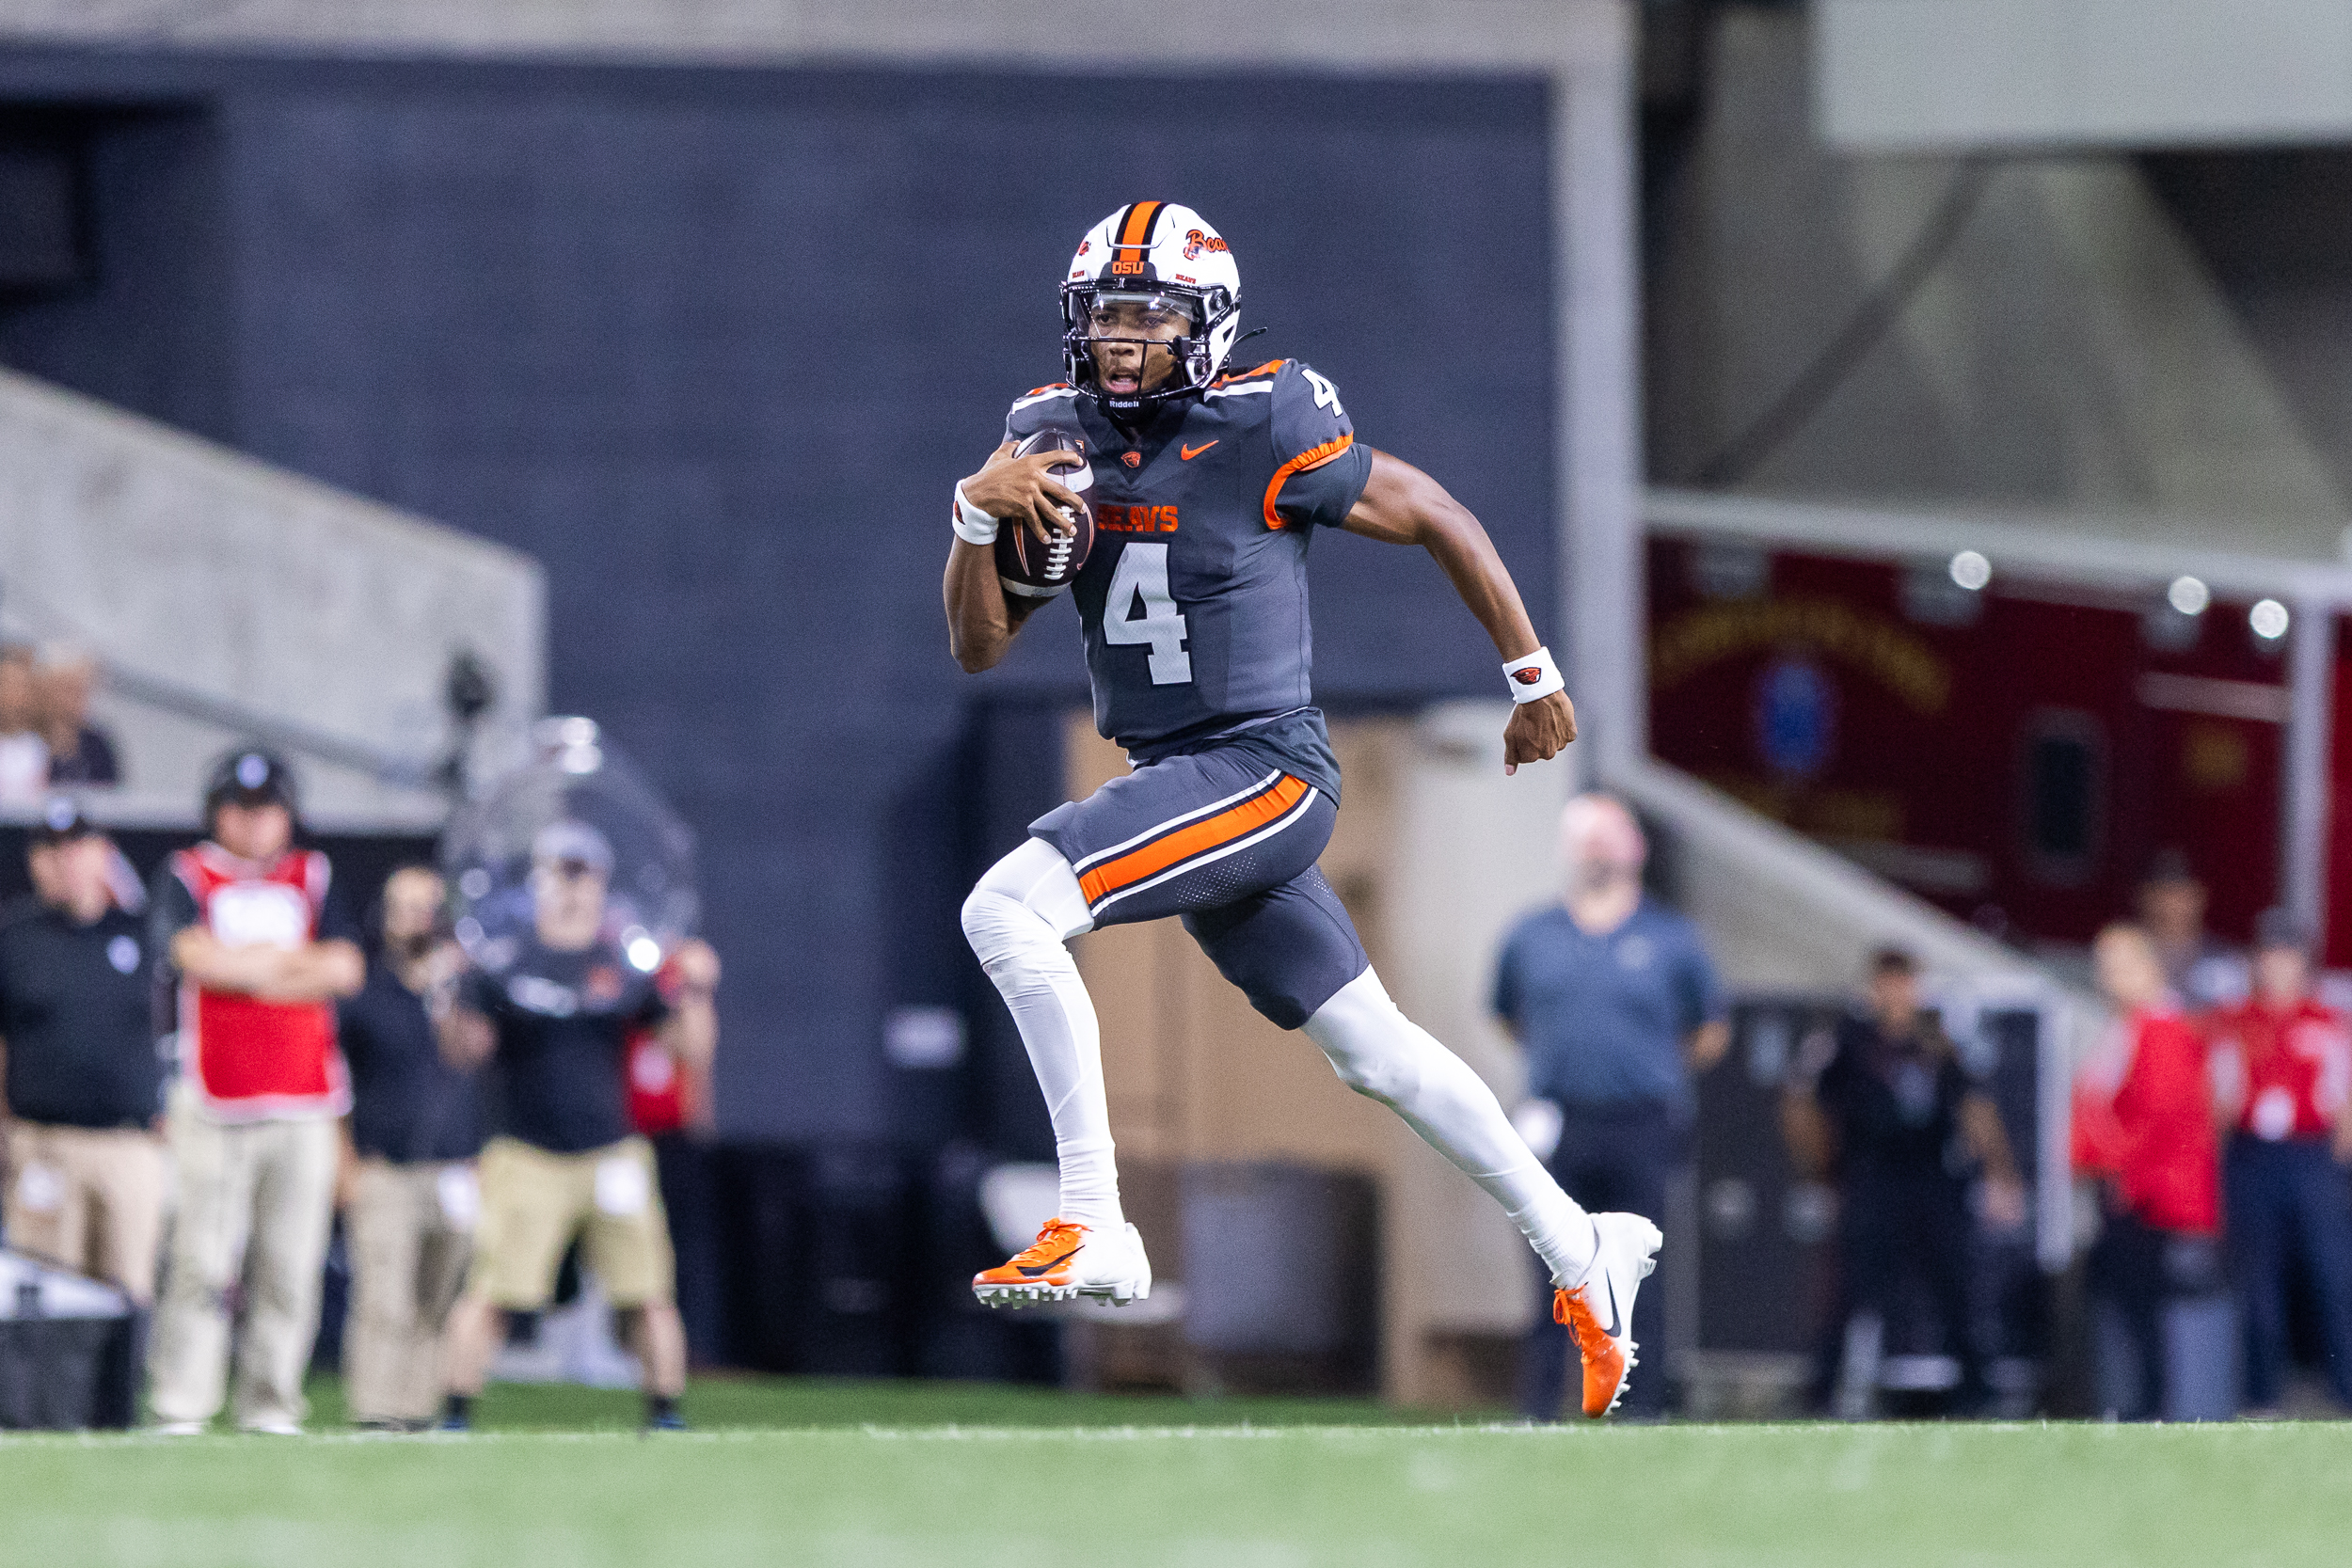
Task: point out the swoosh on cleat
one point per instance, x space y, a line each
1616 1325
1050 1267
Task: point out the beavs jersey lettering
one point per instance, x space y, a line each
1134 519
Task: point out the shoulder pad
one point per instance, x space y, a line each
1039 407
1047 393
1230 378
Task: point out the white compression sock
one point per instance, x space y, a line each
1017 920
1378 1051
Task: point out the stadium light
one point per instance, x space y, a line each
1971 570
2190 595
2268 619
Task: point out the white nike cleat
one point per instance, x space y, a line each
1600 1310
1068 1261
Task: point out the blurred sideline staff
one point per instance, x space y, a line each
553 1024
85 1167
2283 1065
80 753
24 754
1892 1116
2203 972
410 1199
46 737
1615 1004
259 952
2143 1125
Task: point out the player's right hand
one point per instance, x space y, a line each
1023 491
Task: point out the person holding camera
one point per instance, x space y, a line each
551 1026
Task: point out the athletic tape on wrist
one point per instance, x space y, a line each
973 526
1534 677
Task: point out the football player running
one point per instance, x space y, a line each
1208 486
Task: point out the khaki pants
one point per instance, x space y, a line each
89 1201
534 1202
410 1230
259 1195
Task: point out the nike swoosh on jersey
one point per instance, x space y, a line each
1191 453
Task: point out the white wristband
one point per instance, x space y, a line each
1534 677
973 526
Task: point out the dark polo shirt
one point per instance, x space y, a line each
407 1104
74 1009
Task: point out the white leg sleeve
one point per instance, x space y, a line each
1378 1051
1017 920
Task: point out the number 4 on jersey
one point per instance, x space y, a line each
1142 575
1326 395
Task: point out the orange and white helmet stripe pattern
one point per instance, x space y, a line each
1161 248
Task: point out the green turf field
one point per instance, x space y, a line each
877 1475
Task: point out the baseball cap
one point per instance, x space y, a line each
572 840
61 821
250 776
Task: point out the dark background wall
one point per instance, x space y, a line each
714 345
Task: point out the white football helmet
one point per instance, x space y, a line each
1153 250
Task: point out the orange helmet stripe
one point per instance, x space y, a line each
1137 230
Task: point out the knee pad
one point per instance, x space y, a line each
1026 902
1369 1041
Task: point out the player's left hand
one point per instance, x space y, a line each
1538 731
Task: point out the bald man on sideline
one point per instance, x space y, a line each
1613 1001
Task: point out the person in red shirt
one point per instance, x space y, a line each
2284 1069
2143 1125
257 953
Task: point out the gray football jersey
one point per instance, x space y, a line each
1195 597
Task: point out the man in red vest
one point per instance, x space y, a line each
259 956
2284 1061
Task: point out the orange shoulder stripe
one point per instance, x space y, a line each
1267 369
1207 833
1313 457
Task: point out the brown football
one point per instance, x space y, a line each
1038 570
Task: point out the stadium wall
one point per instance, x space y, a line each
713 342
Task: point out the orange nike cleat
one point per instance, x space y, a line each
1600 1310
1066 1261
